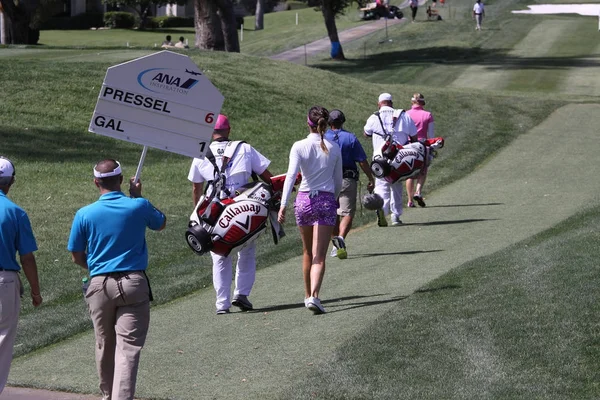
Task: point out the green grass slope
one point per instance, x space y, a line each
44 122
516 52
371 344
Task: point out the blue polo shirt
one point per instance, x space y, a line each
352 150
113 231
15 234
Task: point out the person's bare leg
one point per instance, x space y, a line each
336 228
345 226
306 233
420 184
410 189
321 235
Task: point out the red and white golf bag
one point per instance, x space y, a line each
222 221
394 162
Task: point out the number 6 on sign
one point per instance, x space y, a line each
210 117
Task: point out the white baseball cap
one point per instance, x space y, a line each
385 97
7 169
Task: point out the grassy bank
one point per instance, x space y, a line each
45 129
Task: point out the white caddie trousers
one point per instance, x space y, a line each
10 304
245 274
391 195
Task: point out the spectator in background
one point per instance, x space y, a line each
478 14
167 42
425 130
414 6
181 44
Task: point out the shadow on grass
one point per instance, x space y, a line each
456 221
437 289
490 58
291 306
50 145
347 307
466 205
401 253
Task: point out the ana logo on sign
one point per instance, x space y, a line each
161 80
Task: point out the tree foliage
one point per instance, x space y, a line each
142 7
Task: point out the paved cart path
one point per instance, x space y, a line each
298 54
531 185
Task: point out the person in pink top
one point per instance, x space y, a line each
425 130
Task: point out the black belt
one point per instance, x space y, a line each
350 174
477 14
13 270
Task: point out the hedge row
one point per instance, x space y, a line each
113 19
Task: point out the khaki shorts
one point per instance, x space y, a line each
347 198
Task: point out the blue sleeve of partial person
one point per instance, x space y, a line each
77 238
154 217
25 240
359 151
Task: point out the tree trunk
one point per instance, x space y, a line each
260 15
208 26
329 16
18 19
229 26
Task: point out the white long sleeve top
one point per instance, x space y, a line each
320 171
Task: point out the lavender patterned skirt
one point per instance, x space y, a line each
318 209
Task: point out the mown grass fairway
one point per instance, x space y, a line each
280 33
511 221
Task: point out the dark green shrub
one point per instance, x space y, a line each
172 22
119 20
77 22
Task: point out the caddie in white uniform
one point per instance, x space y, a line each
403 129
242 164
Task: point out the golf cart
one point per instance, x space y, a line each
374 11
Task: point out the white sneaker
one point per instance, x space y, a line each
333 252
396 220
314 305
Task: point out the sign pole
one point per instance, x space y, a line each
141 163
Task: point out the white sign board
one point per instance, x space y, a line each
161 101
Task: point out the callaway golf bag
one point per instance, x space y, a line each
394 162
222 221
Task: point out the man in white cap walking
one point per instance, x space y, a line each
15 236
403 130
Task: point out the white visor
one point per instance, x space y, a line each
115 172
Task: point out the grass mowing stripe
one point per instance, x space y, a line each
45 125
193 354
515 324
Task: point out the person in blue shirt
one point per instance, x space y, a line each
16 235
352 153
108 239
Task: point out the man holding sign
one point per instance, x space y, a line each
108 240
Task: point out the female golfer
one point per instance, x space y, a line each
425 130
320 162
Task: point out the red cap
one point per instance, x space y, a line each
222 123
